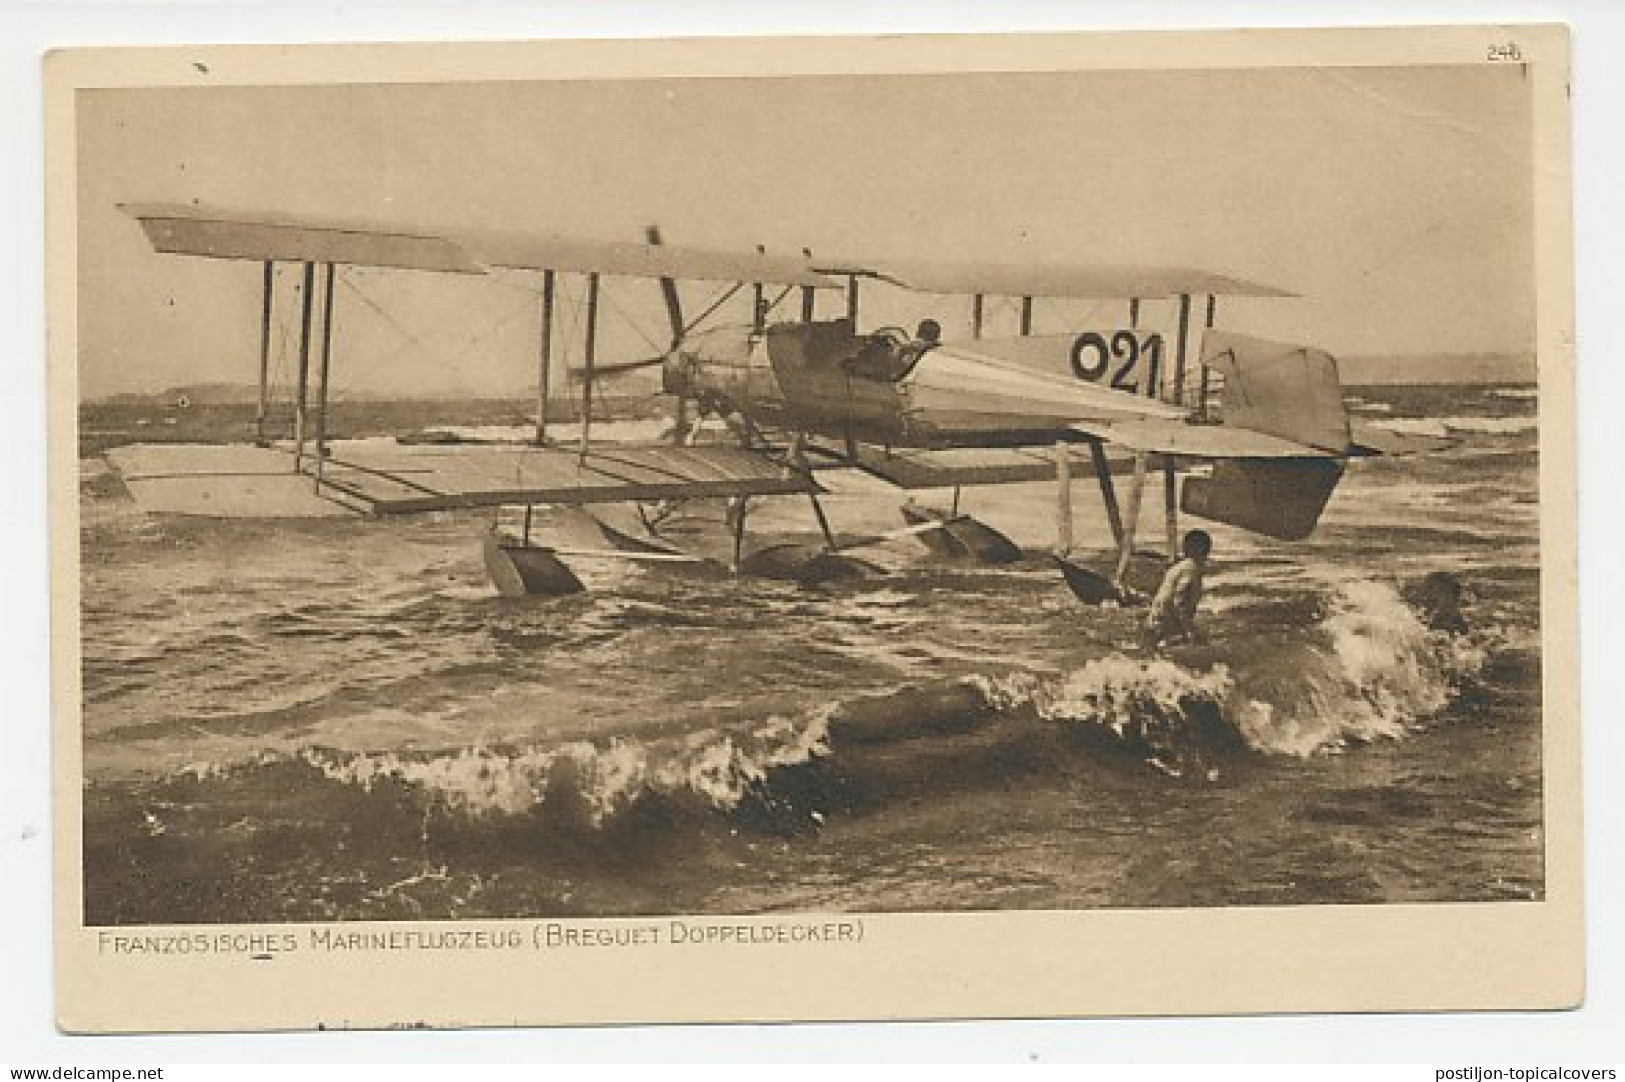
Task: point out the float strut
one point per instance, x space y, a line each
823 521
1063 500
1132 519
1170 506
1108 491
739 532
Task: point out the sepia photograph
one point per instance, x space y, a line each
662 495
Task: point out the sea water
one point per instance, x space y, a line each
342 720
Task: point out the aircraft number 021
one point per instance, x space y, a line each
1095 357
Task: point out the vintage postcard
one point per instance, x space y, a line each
775 529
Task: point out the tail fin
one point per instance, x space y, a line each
1282 390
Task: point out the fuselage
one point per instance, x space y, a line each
822 378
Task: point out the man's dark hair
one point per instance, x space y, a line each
1198 543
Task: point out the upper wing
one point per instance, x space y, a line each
1053 280
221 235
542 252
385 478
190 230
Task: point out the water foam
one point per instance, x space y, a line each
1372 671
1153 706
588 781
1369 670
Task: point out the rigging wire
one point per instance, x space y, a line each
609 300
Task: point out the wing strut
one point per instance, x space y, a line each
590 352
1136 492
308 288
1170 473
1201 399
809 295
758 309
269 297
544 360
322 374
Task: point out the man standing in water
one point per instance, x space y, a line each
1173 609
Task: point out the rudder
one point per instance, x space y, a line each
1283 390
1280 389
1277 497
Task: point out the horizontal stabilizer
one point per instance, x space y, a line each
910 468
1187 440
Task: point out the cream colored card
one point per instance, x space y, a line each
324 325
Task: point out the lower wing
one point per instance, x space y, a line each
386 478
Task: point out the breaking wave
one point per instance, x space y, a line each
595 782
1369 669
1373 671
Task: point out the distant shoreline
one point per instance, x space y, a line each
159 418
1375 372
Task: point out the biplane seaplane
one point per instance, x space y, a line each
1243 431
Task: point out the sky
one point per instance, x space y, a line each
1395 201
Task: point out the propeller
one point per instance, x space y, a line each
674 313
669 359
668 290
620 368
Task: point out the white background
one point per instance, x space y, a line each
27 1034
